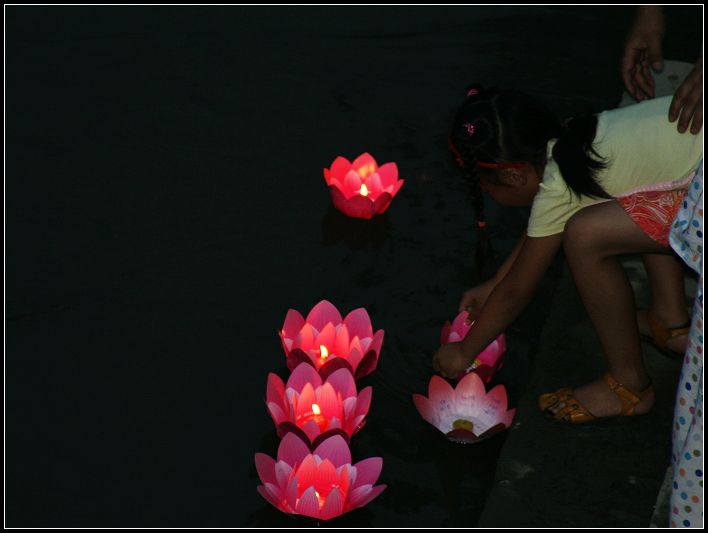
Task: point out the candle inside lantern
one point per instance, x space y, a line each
316 415
364 191
324 352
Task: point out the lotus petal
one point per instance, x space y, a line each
469 394
323 313
358 323
265 466
336 450
270 496
356 206
343 382
339 168
453 337
382 202
424 408
361 496
308 504
306 338
352 184
292 450
330 406
440 392
293 323
364 401
377 341
397 187
368 471
291 494
365 165
331 432
341 342
275 390
445 333
277 413
326 478
367 365
306 400
296 357
344 473
302 375
459 326
388 173
282 473
355 357
373 183
326 337
333 505
332 365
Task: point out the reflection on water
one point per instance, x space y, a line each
355 233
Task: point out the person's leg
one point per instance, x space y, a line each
665 274
593 239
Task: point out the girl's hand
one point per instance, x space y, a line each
451 361
473 300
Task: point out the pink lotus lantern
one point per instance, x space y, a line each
315 410
322 484
362 189
489 361
329 343
466 413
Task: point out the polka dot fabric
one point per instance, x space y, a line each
686 239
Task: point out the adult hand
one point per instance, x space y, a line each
642 52
451 361
687 104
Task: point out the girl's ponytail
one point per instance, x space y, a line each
573 153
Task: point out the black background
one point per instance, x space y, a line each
166 207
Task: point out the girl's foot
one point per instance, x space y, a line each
674 339
601 398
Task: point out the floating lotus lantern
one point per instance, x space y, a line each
489 361
322 484
466 413
362 189
315 410
328 342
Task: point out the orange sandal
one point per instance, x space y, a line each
661 335
574 413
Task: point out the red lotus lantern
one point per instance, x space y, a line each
362 189
489 360
466 413
322 484
328 342
315 410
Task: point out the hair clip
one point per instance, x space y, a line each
472 92
469 127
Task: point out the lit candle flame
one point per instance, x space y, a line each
324 353
364 191
315 409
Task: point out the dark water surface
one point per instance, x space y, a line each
166 207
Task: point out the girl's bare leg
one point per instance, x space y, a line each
593 239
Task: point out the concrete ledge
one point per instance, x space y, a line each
602 475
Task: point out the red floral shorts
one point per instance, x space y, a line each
654 211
